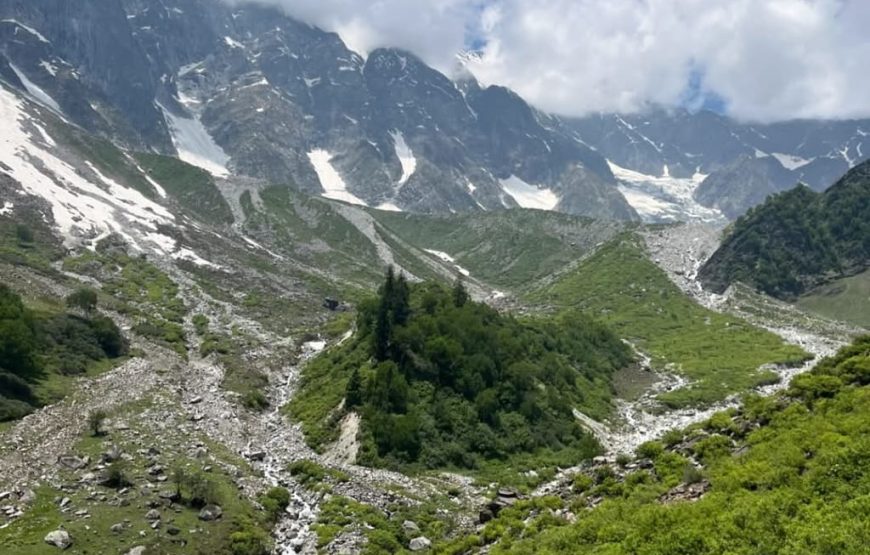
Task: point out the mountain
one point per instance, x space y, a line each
242 89
250 91
798 239
720 163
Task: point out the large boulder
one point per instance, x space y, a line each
210 512
419 544
59 538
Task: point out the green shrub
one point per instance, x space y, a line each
116 475
250 541
649 450
274 502
96 418
84 299
200 324
255 400
306 471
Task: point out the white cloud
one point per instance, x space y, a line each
768 59
435 30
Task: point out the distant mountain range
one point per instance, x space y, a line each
246 90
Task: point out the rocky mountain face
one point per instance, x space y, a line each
797 239
244 89
740 164
250 91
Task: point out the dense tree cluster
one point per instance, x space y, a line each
452 381
34 345
798 239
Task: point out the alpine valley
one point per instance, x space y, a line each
260 294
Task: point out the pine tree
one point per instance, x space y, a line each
353 396
381 335
401 304
460 295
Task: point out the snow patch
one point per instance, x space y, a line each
80 208
405 155
333 185
233 43
45 136
185 253
388 207
35 91
789 161
30 30
529 196
50 68
194 144
450 260
663 199
7 208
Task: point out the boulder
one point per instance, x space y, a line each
138 550
153 514
256 455
410 527
419 544
210 512
59 538
72 462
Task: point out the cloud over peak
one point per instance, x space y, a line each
764 59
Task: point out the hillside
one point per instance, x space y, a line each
442 381
716 353
797 240
786 474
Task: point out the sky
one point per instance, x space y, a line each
757 60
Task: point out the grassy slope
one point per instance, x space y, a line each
621 286
309 230
192 187
798 484
846 299
92 535
506 249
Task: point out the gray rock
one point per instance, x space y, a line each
153 514
173 530
72 462
138 550
256 455
27 496
419 544
210 512
410 527
59 538
117 528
